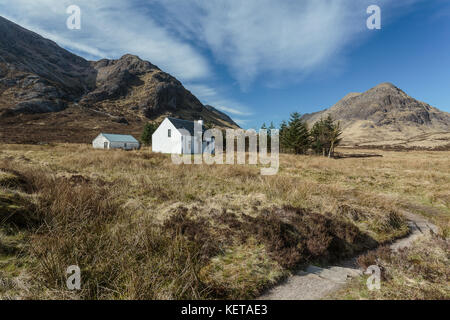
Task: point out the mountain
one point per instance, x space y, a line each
221 115
49 94
386 116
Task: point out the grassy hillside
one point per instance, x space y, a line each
141 227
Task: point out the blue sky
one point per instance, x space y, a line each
260 60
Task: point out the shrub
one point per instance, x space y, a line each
146 136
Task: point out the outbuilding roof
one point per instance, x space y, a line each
119 138
185 124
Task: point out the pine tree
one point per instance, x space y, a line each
271 127
335 139
326 136
318 134
283 136
295 135
298 134
146 136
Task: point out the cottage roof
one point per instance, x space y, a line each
120 138
184 124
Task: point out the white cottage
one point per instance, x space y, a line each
115 141
178 136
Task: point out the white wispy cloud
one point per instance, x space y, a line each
110 29
213 97
241 122
233 111
255 38
275 41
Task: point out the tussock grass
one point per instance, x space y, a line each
420 273
241 272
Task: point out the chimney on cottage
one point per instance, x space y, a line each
200 122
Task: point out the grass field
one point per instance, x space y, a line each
141 227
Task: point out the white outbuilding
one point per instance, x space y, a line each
177 136
115 141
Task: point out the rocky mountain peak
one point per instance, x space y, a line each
37 77
383 115
385 85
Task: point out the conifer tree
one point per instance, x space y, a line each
283 136
146 136
326 135
295 135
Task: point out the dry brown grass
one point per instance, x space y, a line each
420 272
143 228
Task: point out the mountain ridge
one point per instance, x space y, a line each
39 79
386 116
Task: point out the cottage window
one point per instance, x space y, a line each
169 134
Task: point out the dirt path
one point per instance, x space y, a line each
317 283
